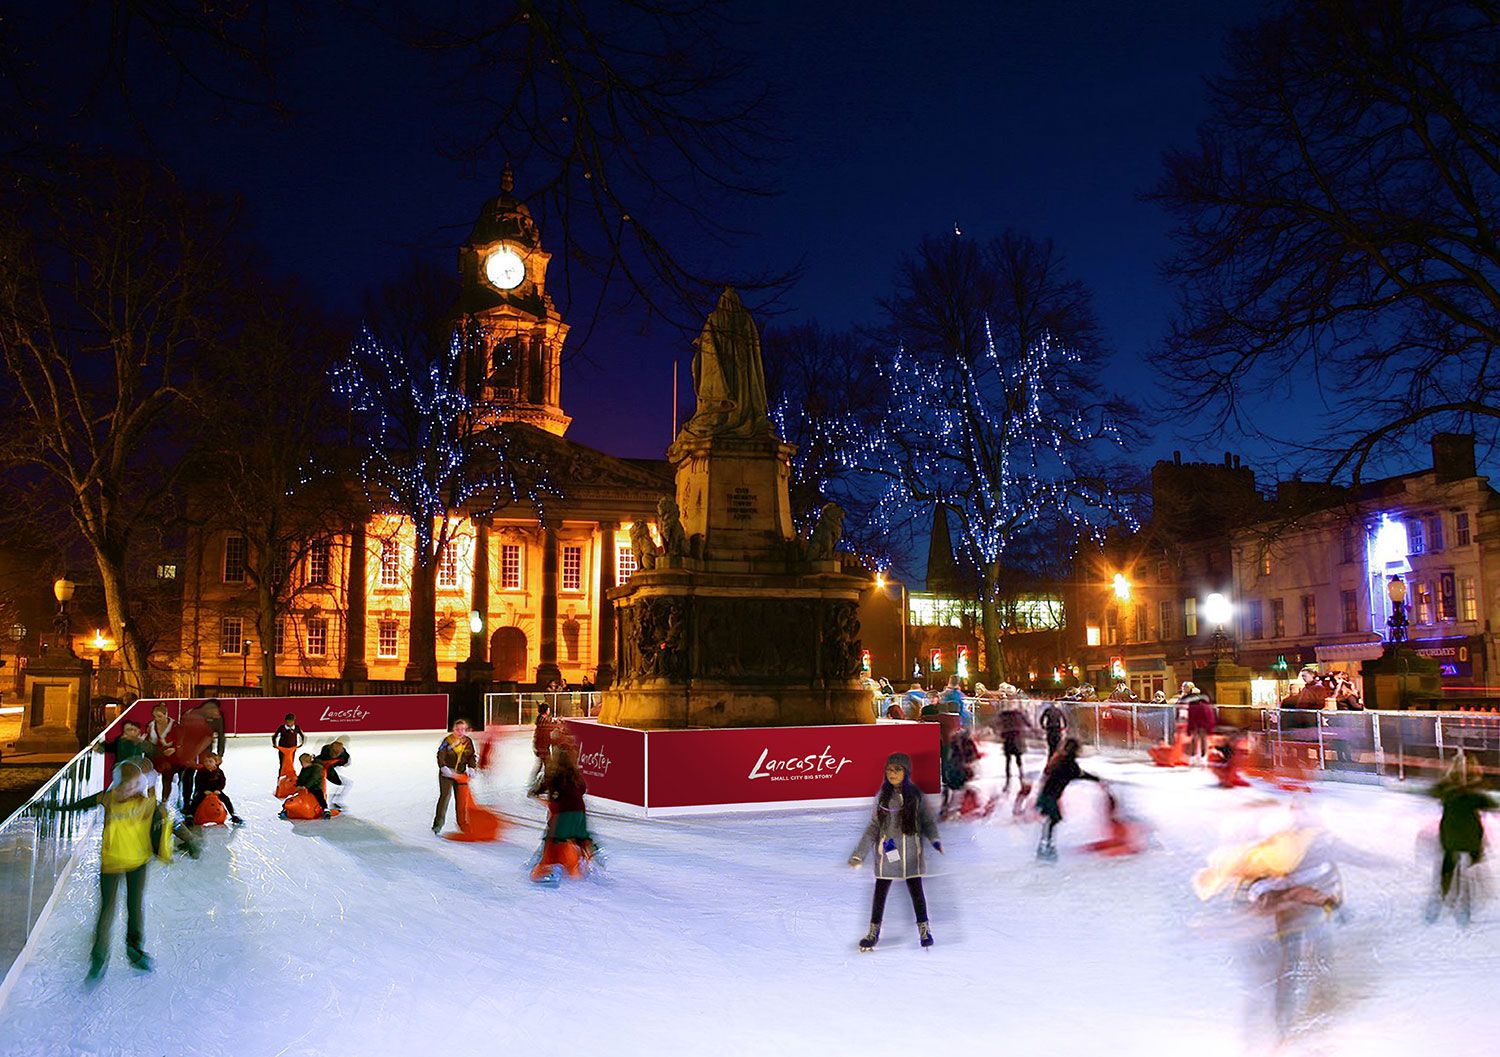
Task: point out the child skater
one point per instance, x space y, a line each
899 824
1061 770
1460 835
287 740
309 778
333 756
455 755
211 780
131 810
567 844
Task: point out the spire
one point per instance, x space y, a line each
507 180
942 571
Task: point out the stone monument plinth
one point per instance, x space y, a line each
732 619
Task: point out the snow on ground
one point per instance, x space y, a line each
365 935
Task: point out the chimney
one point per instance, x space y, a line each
1453 456
1227 458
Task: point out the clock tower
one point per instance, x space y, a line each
514 373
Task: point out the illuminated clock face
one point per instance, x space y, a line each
504 268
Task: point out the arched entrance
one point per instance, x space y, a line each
508 655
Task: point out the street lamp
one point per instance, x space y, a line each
245 661
1218 611
17 636
62 590
1395 588
1122 587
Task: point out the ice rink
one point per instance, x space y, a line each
725 935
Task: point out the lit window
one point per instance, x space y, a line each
625 565
1461 529
1190 617
1265 564
317 636
1424 603
1309 614
1092 633
510 566
385 646
390 563
235 553
1468 599
448 565
572 568
317 562
166 572
231 636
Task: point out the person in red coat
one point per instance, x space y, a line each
1200 724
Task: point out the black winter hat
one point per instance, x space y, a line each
901 760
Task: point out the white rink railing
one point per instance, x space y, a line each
38 846
1337 743
520 709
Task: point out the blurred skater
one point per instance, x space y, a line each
1062 770
455 755
900 822
1054 721
541 740
1460 836
131 814
960 756
567 845
1013 727
333 756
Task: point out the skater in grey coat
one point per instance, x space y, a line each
899 824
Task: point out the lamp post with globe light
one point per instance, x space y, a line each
1218 612
1395 588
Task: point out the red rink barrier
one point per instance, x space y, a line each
316 715
749 768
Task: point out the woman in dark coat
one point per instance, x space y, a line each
899 824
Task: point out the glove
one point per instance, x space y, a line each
937 846
446 772
854 861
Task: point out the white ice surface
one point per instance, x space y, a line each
364 935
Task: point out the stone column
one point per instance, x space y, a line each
355 668
547 670
605 673
477 667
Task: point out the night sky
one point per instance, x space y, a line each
1045 116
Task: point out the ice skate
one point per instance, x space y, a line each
925 932
96 968
140 959
872 937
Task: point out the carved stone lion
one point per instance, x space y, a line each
823 541
669 520
643 545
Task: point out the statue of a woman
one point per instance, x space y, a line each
728 376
